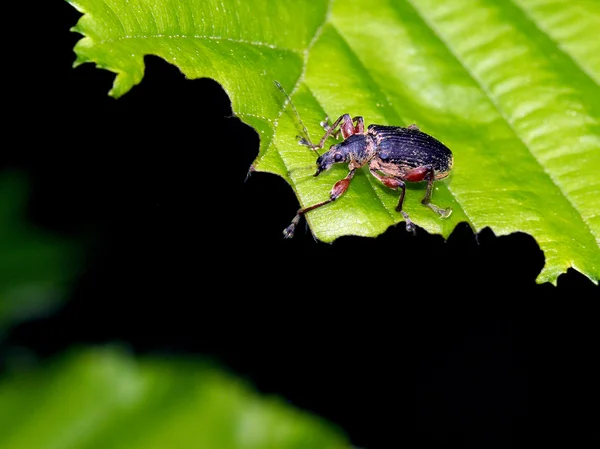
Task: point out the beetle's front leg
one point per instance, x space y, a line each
395 183
346 126
326 125
338 190
356 127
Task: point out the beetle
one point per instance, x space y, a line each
394 154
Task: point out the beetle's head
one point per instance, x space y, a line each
357 147
335 155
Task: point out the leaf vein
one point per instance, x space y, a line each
200 36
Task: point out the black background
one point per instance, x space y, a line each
398 339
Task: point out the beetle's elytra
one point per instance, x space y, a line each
395 155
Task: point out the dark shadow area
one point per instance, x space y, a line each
399 339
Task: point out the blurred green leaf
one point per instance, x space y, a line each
511 87
35 267
103 398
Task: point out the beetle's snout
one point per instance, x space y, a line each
319 160
322 164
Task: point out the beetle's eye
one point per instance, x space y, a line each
338 158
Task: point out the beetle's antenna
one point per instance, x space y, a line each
303 141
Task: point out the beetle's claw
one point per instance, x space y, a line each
410 226
445 213
288 232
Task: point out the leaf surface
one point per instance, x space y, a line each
513 88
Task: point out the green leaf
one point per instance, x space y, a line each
513 88
36 267
103 398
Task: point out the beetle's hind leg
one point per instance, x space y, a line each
444 213
426 173
430 176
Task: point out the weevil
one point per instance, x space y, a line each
394 154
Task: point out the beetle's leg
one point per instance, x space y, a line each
359 128
344 122
426 173
327 126
395 183
338 190
346 127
